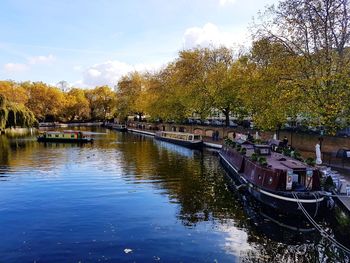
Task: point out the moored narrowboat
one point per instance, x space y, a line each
120 127
278 181
64 136
190 140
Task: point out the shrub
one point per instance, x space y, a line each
310 161
243 150
328 184
262 160
254 157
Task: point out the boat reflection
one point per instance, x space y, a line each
181 150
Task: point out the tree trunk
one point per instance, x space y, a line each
226 112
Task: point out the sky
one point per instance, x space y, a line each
94 42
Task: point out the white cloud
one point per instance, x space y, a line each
225 2
109 73
15 67
41 59
36 60
210 34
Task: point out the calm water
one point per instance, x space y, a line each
129 198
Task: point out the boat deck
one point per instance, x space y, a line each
281 162
345 201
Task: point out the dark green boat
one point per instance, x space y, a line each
64 136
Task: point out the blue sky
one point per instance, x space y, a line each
90 43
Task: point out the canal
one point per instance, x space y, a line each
129 198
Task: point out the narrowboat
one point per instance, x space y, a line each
64 136
276 180
120 127
190 140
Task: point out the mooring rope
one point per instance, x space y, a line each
319 228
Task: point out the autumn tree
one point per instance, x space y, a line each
13 92
129 95
192 75
44 101
269 91
166 99
225 81
77 106
317 32
102 102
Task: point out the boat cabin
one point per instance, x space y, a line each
263 150
64 135
180 136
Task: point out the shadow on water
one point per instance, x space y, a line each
212 218
204 196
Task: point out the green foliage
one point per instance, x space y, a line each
262 160
15 115
243 150
310 161
328 184
230 142
254 157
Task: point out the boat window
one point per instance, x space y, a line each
197 137
56 135
72 136
49 135
190 137
270 180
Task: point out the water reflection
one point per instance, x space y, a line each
128 191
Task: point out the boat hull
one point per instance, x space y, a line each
192 145
58 140
284 202
121 129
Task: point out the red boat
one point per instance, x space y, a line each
276 180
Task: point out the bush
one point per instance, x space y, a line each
230 142
262 160
328 184
254 157
310 161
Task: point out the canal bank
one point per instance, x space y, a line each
305 143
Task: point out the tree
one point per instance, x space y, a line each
13 114
13 92
165 98
269 92
77 105
192 75
225 81
102 101
44 101
129 92
317 32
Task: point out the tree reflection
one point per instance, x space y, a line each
197 184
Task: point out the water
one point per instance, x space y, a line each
129 198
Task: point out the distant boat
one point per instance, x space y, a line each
120 127
278 181
190 140
64 136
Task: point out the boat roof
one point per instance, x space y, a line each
60 132
183 133
279 161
